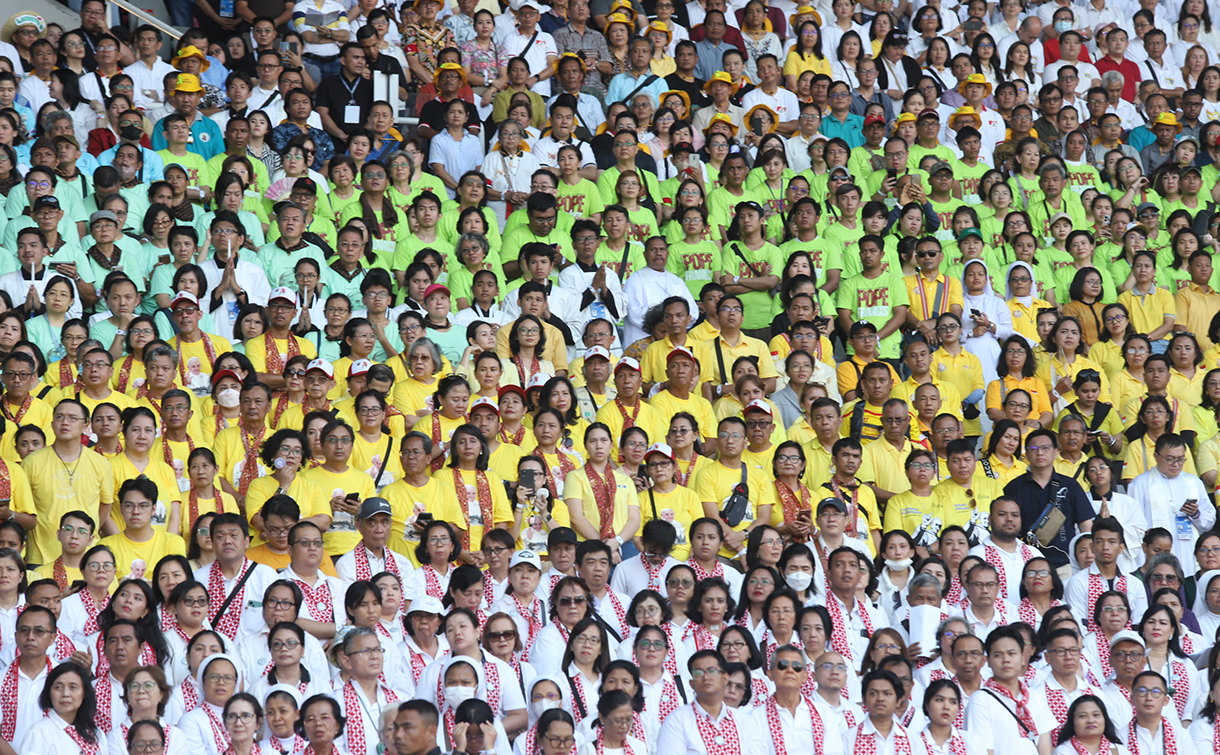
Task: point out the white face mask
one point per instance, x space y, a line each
455 696
542 706
893 565
799 580
229 398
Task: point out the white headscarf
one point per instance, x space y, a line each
1026 301
560 683
1200 608
203 668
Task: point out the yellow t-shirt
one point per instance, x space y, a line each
503 461
407 502
294 416
716 482
122 401
138 559
997 390
194 359
679 507
256 351
205 506
471 521
649 419
311 499
342 535
1140 458
230 450
1052 369
955 504
58 488
578 488
380 459
906 511
697 406
157 471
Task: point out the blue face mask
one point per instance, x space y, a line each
1062 26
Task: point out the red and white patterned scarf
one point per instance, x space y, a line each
1024 715
777 730
364 572
1169 741
957 743
1097 585
318 601
866 744
86 747
8 700
840 619
355 723
229 623
722 739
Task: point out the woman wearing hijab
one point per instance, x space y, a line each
1207 603
986 319
1023 305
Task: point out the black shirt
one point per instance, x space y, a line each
1069 498
433 115
335 93
693 89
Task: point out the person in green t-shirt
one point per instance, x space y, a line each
750 268
874 296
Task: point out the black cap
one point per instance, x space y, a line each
561 535
307 185
47 202
832 503
860 327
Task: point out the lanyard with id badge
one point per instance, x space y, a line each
1185 528
351 112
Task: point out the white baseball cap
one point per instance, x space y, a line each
285 293
660 448
324 366
358 367
184 296
537 381
484 402
526 557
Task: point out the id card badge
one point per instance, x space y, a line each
1185 528
351 114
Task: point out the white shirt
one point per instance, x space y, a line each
251 605
196 728
149 83
631 576
782 102
646 288
540 54
511 696
1010 567
1076 593
116 740
493 315
538 610
255 656
990 716
28 691
1004 613
415 584
1126 113
546 149
1202 733
1085 72
884 745
345 567
1149 742
547 652
1127 512
251 278
680 732
47 737
365 714
1052 686
1161 498
562 302
575 280
797 730
857 634
974 745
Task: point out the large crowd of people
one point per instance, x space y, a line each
633 379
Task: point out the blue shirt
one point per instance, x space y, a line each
626 84
154 166
207 141
1140 137
850 131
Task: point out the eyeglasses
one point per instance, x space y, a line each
147 745
194 602
685 584
575 600
1134 655
36 631
135 687
279 645
559 743
502 636
651 644
244 718
1152 693
133 505
68 529
96 567
784 664
373 651
220 679
699 673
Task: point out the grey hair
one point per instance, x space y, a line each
785 649
52 118
161 351
421 437
941 627
924 580
478 238
1165 558
510 122
652 49
1110 77
433 350
349 639
107 201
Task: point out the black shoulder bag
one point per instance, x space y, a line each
739 501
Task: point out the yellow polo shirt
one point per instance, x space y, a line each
965 373
925 294
819 468
1183 417
652 366
950 398
885 466
1195 307
871 428
555 351
651 420
997 390
746 347
407 502
1140 458
849 372
697 406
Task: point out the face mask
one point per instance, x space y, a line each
455 696
131 133
897 565
542 706
799 580
1062 26
229 398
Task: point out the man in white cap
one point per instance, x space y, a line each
528 611
319 382
533 44
370 557
279 344
597 389
197 351
1128 657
